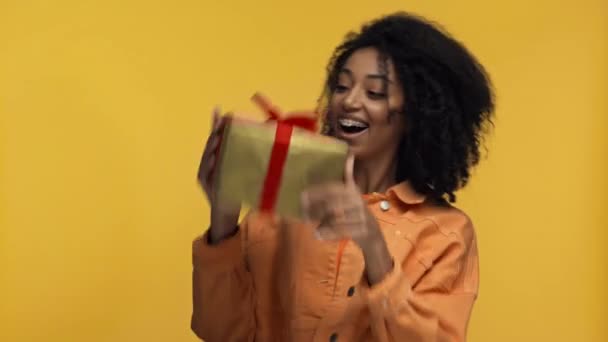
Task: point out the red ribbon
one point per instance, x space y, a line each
280 147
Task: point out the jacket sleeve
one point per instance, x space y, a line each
222 291
438 305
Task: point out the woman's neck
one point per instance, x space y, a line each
376 175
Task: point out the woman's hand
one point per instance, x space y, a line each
342 213
340 210
224 216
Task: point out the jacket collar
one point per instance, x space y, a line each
406 194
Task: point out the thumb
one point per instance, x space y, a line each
216 118
349 167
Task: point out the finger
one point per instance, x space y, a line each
212 140
210 150
349 169
319 202
210 164
210 147
313 208
216 118
205 169
219 121
329 200
338 211
322 192
346 216
305 206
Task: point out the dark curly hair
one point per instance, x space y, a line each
449 101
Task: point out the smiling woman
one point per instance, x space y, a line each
382 256
417 92
365 111
103 106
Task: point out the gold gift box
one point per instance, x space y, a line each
244 157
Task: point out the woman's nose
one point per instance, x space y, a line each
352 101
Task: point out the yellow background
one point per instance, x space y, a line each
105 107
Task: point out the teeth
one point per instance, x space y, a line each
352 123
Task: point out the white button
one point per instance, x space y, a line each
384 205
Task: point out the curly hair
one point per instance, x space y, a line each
449 102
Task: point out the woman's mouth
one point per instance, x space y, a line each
349 128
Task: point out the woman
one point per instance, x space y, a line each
398 263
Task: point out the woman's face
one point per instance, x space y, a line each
360 104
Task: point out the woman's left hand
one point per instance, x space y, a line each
342 214
340 211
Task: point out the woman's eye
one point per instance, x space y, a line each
340 88
375 95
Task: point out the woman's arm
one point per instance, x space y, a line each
222 294
438 306
222 291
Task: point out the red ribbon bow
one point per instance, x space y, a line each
305 120
280 147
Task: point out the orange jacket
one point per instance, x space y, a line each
273 281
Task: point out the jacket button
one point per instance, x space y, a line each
385 206
351 291
333 337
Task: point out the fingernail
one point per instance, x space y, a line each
318 235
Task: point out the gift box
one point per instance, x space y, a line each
267 165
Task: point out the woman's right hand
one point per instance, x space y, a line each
224 216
